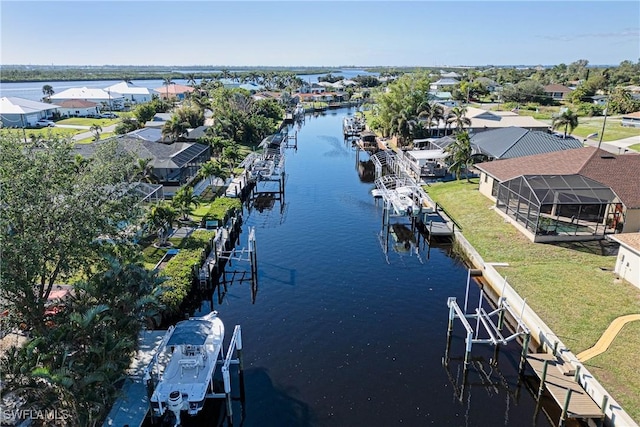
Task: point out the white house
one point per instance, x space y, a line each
20 112
109 100
442 84
132 93
628 262
79 108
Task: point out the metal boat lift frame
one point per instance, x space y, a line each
225 360
485 319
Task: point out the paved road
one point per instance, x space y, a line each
619 146
87 134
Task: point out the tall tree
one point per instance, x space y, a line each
166 82
47 90
96 130
53 214
567 120
460 154
184 201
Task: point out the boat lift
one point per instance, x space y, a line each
492 329
241 255
152 372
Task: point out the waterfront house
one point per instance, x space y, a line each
557 92
79 108
107 99
174 91
484 120
578 194
151 134
20 113
132 94
628 261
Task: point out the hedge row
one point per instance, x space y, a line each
179 269
221 209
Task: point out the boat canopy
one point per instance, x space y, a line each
191 332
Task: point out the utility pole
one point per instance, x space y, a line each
604 122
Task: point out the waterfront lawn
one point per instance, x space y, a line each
571 287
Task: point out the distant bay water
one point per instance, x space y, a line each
33 90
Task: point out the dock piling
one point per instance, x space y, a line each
565 407
543 378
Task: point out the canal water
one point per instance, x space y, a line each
342 334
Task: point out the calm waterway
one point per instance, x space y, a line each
33 90
338 336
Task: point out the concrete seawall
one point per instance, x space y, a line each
615 416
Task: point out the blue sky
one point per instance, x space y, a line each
319 33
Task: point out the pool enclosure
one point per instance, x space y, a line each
559 207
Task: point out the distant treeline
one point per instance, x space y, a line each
22 73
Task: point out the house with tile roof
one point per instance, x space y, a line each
578 194
79 108
174 91
20 113
557 92
628 260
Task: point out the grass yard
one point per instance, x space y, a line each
87 121
613 129
570 286
635 147
103 135
61 132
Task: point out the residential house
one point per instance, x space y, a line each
631 119
490 85
174 91
600 100
20 113
106 99
443 98
557 92
79 108
483 120
443 84
132 94
512 142
151 134
628 260
173 164
158 120
578 194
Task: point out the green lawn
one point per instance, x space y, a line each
613 129
103 135
571 286
635 147
42 132
83 121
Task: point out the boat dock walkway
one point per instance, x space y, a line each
132 406
236 186
574 401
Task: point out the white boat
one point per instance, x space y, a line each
181 372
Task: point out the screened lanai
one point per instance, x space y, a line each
558 205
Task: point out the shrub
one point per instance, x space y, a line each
221 209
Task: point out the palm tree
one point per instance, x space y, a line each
96 129
212 169
402 125
166 81
144 170
160 219
460 154
231 154
191 79
47 90
457 116
568 119
184 201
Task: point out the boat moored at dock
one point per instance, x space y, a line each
180 376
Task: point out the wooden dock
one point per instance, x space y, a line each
133 404
562 387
